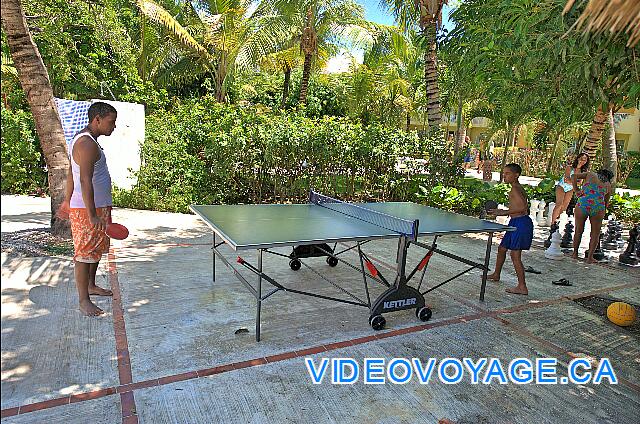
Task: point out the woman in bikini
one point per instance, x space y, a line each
593 200
564 187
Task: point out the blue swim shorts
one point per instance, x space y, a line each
521 238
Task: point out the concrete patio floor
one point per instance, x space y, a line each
168 349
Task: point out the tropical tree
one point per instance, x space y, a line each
382 87
37 87
427 16
285 61
321 25
525 52
229 36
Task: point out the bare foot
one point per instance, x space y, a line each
99 291
591 261
575 256
493 277
517 290
89 309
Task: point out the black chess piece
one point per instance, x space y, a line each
567 237
630 257
554 227
618 232
572 205
598 254
610 242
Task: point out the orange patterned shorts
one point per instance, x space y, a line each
89 244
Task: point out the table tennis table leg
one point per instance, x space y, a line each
213 251
487 256
259 297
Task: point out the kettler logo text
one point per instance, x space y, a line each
399 303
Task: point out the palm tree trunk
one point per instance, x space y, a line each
431 78
552 153
285 88
306 73
461 131
35 82
609 148
507 134
220 77
595 134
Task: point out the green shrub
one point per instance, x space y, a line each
206 152
23 170
625 207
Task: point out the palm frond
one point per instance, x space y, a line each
615 16
8 70
158 14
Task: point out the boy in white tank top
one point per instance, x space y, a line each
88 201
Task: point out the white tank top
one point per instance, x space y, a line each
101 178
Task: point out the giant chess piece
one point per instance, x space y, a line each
554 252
554 229
629 257
562 221
619 239
572 206
542 221
567 238
598 254
533 211
610 242
550 209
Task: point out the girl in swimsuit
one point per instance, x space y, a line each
564 187
593 200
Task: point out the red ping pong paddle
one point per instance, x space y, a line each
117 231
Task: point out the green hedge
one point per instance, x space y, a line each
205 152
23 170
472 194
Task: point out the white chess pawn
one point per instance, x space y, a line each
564 218
533 211
554 252
552 205
540 218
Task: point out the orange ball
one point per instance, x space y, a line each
621 314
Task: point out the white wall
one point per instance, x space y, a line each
122 148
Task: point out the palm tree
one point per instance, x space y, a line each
427 15
285 61
229 36
34 80
610 16
320 25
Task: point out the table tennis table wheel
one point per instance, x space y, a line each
423 313
377 322
332 261
295 264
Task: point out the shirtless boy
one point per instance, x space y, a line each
520 239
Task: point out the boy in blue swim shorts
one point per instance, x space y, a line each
520 239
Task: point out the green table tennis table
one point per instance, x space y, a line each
317 228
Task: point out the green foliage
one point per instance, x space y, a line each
470 196
628 167
22 163
206 152
635 171
625 207
326 93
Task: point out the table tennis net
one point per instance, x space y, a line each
399 225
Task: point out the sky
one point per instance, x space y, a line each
375 13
